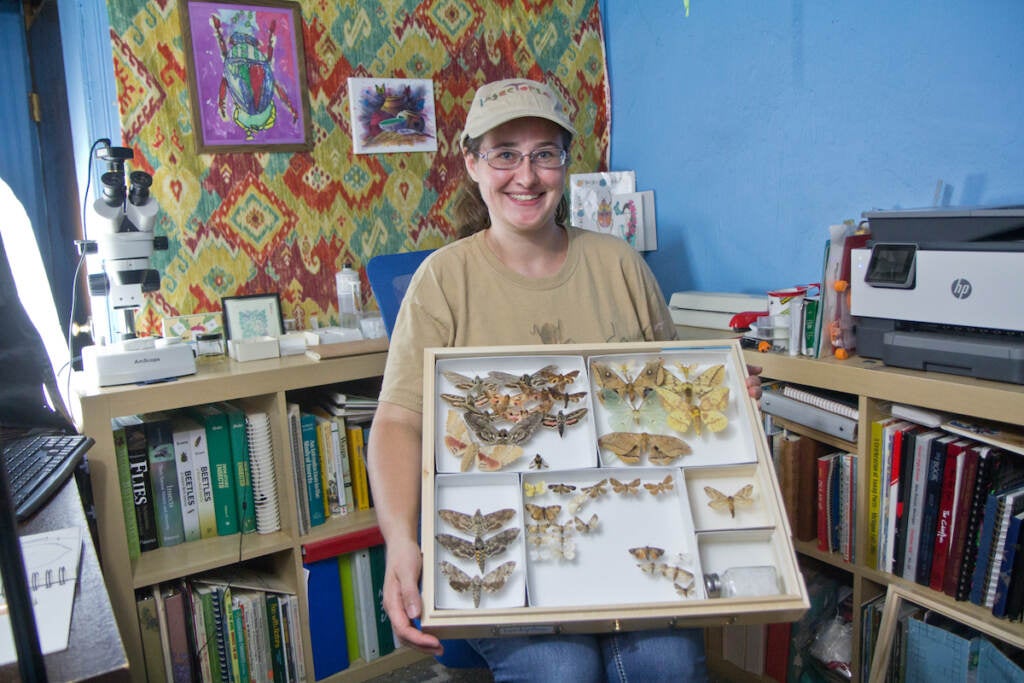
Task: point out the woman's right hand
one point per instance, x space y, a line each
402 599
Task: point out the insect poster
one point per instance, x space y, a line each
247 75
392 115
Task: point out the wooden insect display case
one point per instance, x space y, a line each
589 488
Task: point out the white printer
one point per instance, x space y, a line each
943 290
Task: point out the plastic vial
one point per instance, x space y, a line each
349 297
743 581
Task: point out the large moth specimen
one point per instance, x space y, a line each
491 582
481 548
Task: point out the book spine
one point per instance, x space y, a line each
149 630
906 441
142 487
298 466
276 637
369 645
807 488
218 447
240 648
328 480
993 508
125 482
187 488
1011 506
244 503
298 659
385 636
357 464
823 511
834 506
178 636
338 456
346 465
846 491
974 521
209 647
326 625
164 479
348 602
930 513
1005 574
204 482
875 492
916 505
944 522
957 543
311 466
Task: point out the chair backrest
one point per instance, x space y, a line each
389 276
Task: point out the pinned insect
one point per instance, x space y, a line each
661 449
497 457
531 489
490 582
484 428
561 420
458 442
646 413
657 488
479 549
540 512
527 381
720 501
538 463
596 490
556 379
473 386
626 387
477 524
675 574
647 552
561 488
626 488
585 527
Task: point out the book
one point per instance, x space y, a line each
875 485
976 513
1007 474
187 487
165 638
298 460
385 636
904 449
810 315
832 401
964 497
725 302
366 621
892 460
294 640
915 503
142 488
163 476
774 402
777 646
1014 610
930 513
244 503
332 477
326 621
788 466
311 469
203 477
216 598
807 454
712 320
348 598
357 465
218 446
346 464
236 639
149 631
951 479
178 634
276 638
847 498
125 484
205 631
825 465
1012 504
1005 574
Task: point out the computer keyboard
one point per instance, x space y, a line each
38 465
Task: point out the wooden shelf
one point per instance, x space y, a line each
257 384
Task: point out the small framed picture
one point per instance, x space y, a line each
254 315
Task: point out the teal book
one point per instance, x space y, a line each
163 475
218 448
240 460
311 464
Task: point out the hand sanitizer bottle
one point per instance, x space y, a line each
349 297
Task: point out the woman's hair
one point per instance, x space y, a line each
471 214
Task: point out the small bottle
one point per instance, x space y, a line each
743 581
349 297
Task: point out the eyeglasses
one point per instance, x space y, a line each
505 159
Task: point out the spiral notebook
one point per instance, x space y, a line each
51 566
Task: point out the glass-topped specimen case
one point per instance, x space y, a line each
589 488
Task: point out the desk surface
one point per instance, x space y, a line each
95 652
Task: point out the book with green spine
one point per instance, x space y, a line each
124 480
222 471
240 459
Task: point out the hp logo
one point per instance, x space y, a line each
961 288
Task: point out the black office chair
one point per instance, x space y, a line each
389 276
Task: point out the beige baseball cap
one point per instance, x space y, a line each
513 98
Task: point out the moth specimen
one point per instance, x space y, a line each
626 488
587 526
475 387
477 524
561 420
458 442
595 490
646 413
675 574
547 513
647 552
484 428
661 449
561 488
531 489
657 488
626 387
557 379
497 457
720 501
479 549
702 410
527 381
538 463
491 582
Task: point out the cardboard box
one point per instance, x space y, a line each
589 488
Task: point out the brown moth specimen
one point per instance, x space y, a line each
675 574
557 379
657 488
606 378
477 524
596 490
585 527
538 463
491 582
561 488
527 381
484 428
473 386
479 549
561 420
627 488
661 449
720 501
547 513
647 552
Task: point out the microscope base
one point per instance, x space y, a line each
110 365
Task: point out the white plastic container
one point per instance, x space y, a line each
349 297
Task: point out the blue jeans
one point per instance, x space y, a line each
632 657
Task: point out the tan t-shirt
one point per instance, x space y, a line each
462 295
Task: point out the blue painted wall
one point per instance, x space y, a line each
758 124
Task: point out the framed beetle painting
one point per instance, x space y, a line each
247 75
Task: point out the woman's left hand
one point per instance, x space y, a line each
753 381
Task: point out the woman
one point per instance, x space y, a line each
520 275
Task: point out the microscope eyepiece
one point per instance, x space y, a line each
113 188
140 184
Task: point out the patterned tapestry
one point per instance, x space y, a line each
248 223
